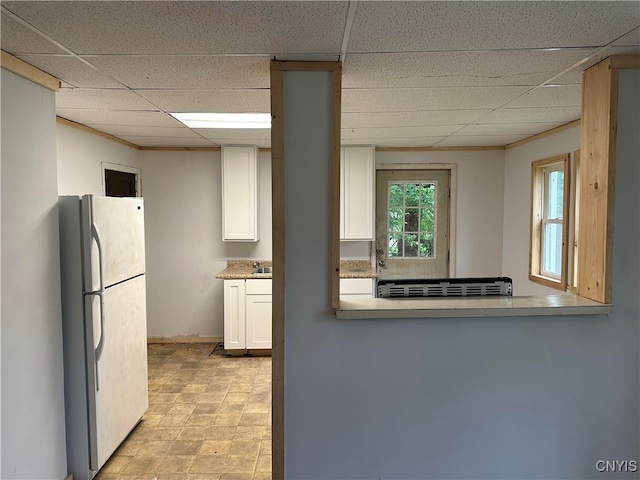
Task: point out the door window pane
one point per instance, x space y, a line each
412 220
396 195
426 245
395 248
428 195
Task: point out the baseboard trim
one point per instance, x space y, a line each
185 339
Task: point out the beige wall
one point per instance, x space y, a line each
517 206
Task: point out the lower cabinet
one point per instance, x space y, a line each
357 287
247 314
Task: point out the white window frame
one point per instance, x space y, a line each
540 173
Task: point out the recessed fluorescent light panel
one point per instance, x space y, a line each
224 120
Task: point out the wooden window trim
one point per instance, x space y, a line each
535 245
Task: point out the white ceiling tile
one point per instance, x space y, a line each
416 99
631 39
219 101
185 72
411 119
16 39
104 99
436 26
140 131
507 129
394 132
479 140
393 142
144 141
238 134
73 71
480 68
550 96
118 117
532 115
189 27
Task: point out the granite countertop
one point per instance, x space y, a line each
242 269
357 269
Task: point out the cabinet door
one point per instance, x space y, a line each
258 321
234 314
357 193
240 193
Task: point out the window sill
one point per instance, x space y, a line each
353 308
547 281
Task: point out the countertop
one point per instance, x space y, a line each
243 269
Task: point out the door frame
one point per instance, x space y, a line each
452 168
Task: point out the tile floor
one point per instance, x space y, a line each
209 418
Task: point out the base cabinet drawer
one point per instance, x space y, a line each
247 314
361 287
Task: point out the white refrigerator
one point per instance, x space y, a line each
104 326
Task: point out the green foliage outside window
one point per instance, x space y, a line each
412 217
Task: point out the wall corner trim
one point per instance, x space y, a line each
19 67
546 133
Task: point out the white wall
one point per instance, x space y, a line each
520 397
32 418
80 159
479 185
183 207
517 206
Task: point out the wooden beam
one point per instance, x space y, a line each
278 162
84 128
597 181
19 67
334 195
278 256
625 61
305 66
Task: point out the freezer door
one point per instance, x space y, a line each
113 228
119 386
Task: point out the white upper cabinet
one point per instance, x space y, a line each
357 170
240 193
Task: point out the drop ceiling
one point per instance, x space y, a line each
416 74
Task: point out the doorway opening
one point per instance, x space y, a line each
121 181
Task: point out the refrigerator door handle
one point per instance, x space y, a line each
100 292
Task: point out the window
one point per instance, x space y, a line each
549 226
120 180
412 213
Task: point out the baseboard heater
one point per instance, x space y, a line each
446 287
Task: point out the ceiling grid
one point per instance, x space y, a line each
415 74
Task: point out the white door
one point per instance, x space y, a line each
412 224
114 228
120 366
259 321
